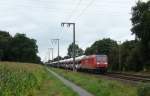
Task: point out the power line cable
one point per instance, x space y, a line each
73 11
67 19
82 12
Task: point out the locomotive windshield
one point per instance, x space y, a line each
101 58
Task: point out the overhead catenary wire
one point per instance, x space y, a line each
69 17
52 10
64 30
83 11
28 5
78 4
73 11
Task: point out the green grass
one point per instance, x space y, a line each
53 87
98 86
23 79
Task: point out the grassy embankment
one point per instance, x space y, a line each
99 86
21 79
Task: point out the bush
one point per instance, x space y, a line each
144 90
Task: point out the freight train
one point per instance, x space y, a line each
94 63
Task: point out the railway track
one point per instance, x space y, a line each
130 77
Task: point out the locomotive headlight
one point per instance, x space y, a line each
98 63
105 63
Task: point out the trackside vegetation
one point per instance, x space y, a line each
23 79
99 86
144 90
20 79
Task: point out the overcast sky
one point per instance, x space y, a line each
40 19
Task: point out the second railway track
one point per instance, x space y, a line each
130 77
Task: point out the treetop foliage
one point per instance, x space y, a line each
141 20
78 50
18 48
103 46
141 28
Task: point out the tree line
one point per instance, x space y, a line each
133 55
120 56
19 48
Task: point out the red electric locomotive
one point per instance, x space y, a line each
96 63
